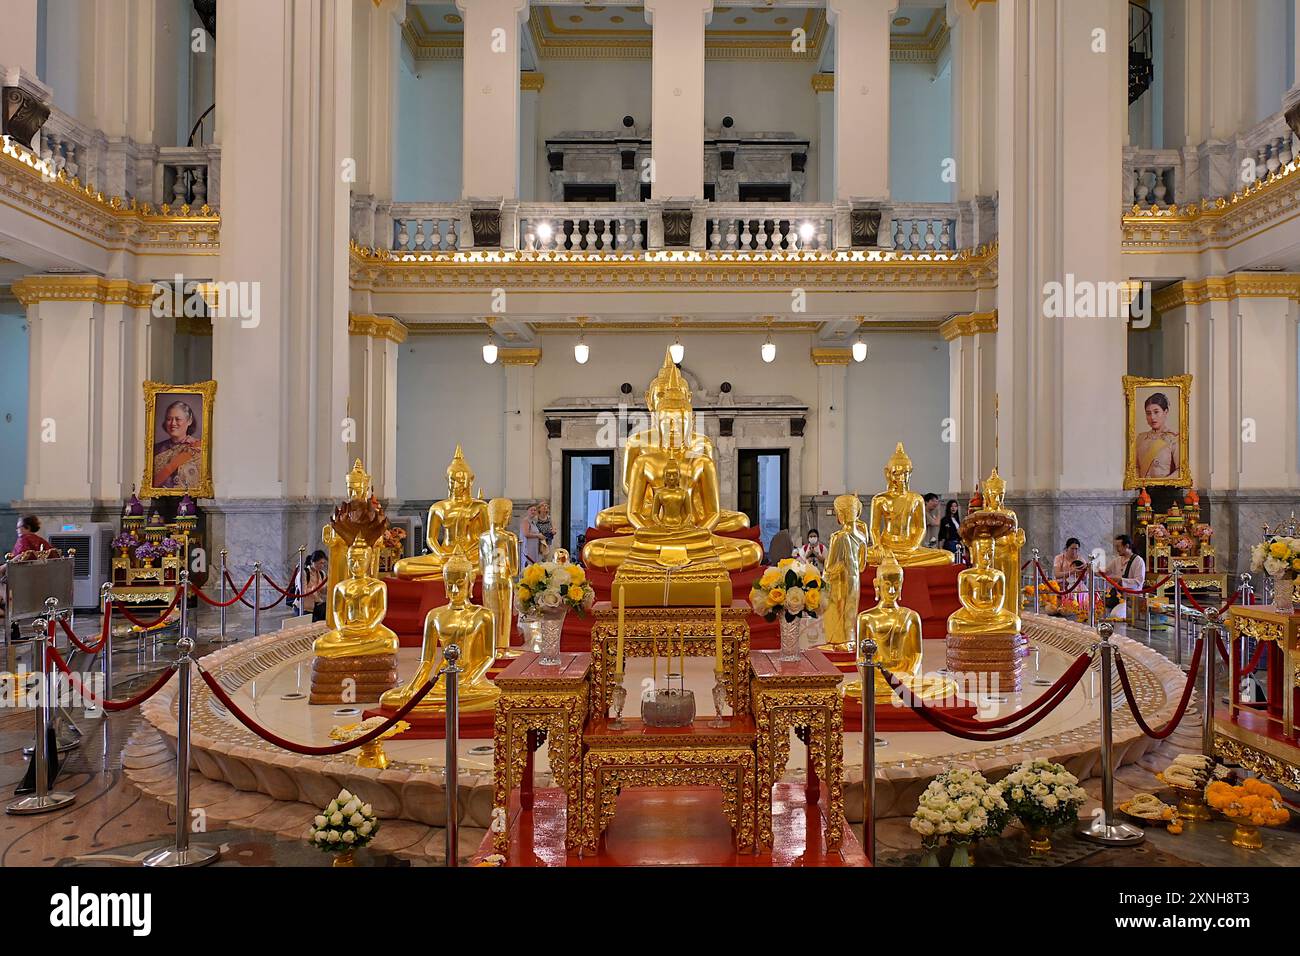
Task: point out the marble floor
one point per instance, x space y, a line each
114 823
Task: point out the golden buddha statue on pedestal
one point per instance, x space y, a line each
669 396
982 589
897 519
498 549
845 559
472 629
454 524
984 633
359 496
1006 548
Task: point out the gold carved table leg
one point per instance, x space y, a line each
819 721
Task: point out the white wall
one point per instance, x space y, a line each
68 41
1271 41
900 393
920 132
428 162
13 403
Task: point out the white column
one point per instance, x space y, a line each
530 88
677 96
823 85
861 96
490 128
832 439
971 385
973 39
520 366
372 397
376 50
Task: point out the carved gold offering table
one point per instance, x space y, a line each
651 630
539 699
693 756
802 696
1263 739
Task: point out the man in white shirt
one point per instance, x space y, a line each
1128 568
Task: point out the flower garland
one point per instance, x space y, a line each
1253 801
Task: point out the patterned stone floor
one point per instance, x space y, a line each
114 823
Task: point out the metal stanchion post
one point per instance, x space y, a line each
1092 598
1037 582
182 854
106 654
185 602
1209 657
1247 589
1178 618
302 582
257 598
43 800
221 599
451 674
1103 828
868 668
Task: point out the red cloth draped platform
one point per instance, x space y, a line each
901 719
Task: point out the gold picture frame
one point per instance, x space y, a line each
178 473
1149 462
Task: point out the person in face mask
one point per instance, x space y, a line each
813 551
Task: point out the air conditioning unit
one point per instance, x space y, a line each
413 525
91 564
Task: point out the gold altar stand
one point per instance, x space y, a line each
802 696
1263 740
540 701
694 756
644 626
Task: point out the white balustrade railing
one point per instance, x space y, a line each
187 175
1153 177
770 227
70 146
608 228
920 227
429 227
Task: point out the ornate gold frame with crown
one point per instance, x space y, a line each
207 392
1183 383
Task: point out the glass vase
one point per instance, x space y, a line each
1283 593
791 639
929 854
961 855
549 628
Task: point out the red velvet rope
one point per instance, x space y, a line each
959 727
113 705
305 749
1191 599
1055 588
1253 666
1149 589
1177 718
148 624
103 633
264 607
212 603
290 593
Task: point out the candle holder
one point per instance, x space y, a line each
719 702
670 706
619 700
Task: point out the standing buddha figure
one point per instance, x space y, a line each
845 559
473 630
898 519
454 524
498 549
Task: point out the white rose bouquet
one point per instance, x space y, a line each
549 587
961 806
345 824
792 587
1042 793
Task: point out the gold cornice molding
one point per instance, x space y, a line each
83 288
519 356
531 81
924 48
971 323
831 356
823 82
377 327
1238 285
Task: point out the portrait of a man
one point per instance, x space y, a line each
1157 431
178 454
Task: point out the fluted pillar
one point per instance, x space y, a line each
861 96
376 61
972 383
823 85
520 367
677 96
832 418
372 397
490 124
974 42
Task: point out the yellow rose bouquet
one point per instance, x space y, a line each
549 587
792 588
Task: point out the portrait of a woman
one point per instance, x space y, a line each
1157 448
178 453
176 459
1157 412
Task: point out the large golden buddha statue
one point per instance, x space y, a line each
672 518
473 630
669 396
1006 547
898 519
454 524
845 558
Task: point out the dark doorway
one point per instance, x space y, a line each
588 487
763 489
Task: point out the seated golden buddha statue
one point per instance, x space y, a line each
896 631
359 604
668 395
472 629
454 524
986 605
898 519
359 501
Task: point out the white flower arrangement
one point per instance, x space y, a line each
960 805
1043 793
344 824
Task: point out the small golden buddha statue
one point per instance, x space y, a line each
358 485
472 629
667 397
359 604
845 558
454 524
898 519
498 549
1007 547
982 589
